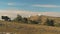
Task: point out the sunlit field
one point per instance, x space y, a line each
20 28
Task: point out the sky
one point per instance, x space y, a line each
30 7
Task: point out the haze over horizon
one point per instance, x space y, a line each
30 7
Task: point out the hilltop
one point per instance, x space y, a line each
42 19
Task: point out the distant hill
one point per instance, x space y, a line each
43 18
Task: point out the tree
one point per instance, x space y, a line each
49 22
25 20
18 18
6 18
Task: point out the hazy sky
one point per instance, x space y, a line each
31 5
28 7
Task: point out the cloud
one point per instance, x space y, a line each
13 13
16 4
47 6
10 3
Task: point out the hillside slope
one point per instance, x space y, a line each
42 19
18 28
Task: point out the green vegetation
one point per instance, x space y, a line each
6 18
46 20
18 18
49 22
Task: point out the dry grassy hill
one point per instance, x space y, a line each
43 19
23 28
19 28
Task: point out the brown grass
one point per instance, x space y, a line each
19 28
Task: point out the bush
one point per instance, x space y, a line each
49 22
